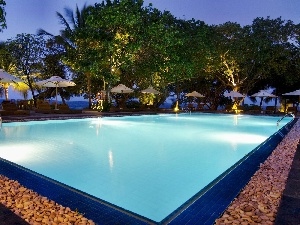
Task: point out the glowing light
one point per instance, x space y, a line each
98 125
176 109
236 109
235 119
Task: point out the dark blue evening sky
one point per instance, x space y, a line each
26 16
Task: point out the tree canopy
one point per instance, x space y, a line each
123 41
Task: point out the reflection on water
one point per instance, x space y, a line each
235 120
111 159
18 153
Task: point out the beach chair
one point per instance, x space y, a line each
200 107
227 109
255 109
25 104
191 107
65 109
270 110
10 108
44 107
292 109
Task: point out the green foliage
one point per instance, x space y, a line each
244 58
106 106
147 98
6 60
27 52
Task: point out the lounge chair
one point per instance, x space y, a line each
270 110
292 109
191 107
64 109
44 107
255 109
147 108
200 107
10 108
25 104
228 108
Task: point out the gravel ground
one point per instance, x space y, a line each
36 209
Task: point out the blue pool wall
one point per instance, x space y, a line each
203 208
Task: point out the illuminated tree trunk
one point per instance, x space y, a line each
6 91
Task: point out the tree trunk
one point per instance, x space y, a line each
261 100
88 75
31 89
6 86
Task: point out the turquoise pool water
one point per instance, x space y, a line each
149 165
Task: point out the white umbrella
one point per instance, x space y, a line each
234 94
55 81
6 78
262 94
121 88
150 90
194 94
297 92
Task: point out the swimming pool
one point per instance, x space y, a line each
149 165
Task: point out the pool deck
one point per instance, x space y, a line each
288 212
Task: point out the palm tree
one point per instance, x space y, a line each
72 23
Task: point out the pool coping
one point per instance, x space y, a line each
204 207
